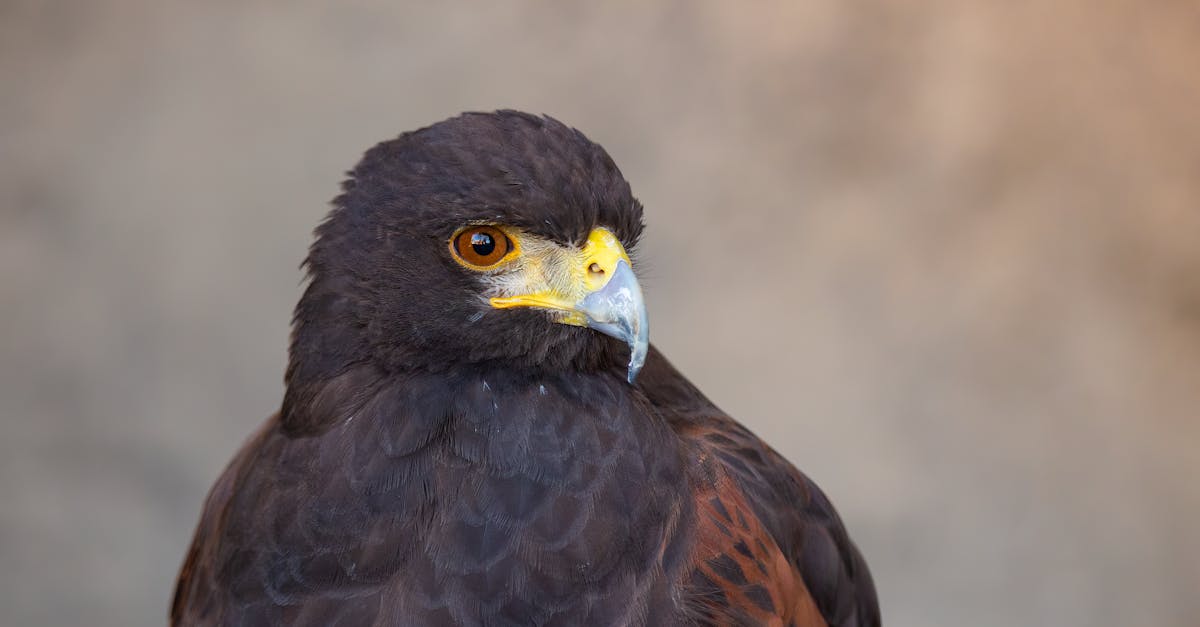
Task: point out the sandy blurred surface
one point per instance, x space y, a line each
944 257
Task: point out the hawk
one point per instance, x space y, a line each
477 431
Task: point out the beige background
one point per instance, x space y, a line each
943 255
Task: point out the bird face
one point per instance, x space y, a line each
495 238
589 286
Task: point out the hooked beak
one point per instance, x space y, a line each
617 309
597 290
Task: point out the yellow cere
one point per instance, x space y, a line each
565 276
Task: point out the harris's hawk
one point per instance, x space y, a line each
476 430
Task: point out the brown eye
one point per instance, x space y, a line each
481 246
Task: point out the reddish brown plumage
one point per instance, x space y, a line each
740 557
769 548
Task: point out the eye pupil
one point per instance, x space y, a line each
483 244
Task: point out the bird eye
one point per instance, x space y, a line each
481 246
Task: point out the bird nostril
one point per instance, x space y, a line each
595 268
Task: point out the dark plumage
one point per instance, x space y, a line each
441 461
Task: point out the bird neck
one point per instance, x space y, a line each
504 419
545 424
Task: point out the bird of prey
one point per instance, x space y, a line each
477 431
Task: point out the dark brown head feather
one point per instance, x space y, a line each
383 289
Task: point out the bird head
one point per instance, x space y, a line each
500 238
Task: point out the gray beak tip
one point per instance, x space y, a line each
638 347
618 310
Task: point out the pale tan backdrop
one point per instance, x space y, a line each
944 255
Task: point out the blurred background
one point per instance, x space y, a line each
955 278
